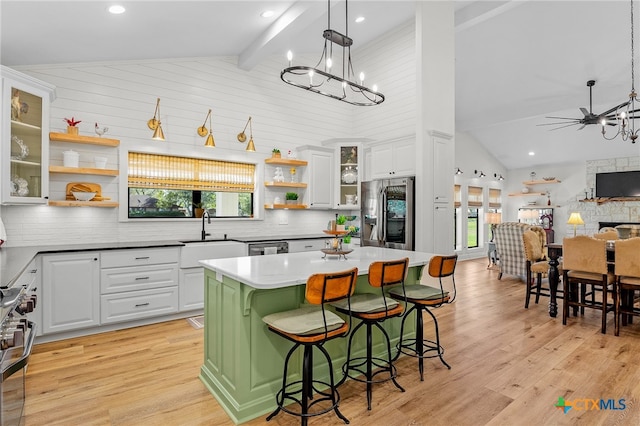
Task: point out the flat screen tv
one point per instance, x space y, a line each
618 184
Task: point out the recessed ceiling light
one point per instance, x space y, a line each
359 19
267 13
116 9
532 153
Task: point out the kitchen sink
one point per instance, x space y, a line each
195 250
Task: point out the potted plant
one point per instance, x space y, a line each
198 209
340 221
275 153
291 198
71 125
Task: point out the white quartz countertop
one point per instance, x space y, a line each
284 270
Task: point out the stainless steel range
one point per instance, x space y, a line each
17 334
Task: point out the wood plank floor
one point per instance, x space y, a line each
509 366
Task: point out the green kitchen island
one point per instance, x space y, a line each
243 361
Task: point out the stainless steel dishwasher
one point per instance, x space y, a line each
260 248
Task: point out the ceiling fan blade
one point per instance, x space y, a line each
582 127
567 125
560 122
565 118
585 112
614 109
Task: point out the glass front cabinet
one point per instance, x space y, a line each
350 158
25 138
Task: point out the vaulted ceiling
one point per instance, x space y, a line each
516 61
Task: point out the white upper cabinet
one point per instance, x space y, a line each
393 159
349 159
319 193
25 138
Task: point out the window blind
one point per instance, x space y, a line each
184 173
495 201
475 196
457 198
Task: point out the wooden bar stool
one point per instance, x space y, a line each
372 310
627 271
422 298
311 326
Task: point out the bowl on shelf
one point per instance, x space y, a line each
549 178
83 196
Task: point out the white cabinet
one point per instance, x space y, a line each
192 274
319 194
25 138
138 283
349 178
297 246
443 159
70 291
393 159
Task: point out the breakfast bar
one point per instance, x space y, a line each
242 360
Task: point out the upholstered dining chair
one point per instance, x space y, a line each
311 326
537 263
627 271
586 271
607 235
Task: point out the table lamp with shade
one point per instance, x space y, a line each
575 219
493 219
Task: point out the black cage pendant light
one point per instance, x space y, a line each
320 79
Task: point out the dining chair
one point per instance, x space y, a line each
311 326
372 310
423 298
607 235
585 274
537 265
627 271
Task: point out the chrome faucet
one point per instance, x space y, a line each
204 233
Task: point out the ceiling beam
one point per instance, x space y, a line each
294 20
480 11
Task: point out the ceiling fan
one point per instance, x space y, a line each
608 116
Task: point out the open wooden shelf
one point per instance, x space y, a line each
66 137
74 203
286 184
285 161
285 206
83 171
527 194
540 182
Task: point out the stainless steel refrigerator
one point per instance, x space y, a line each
388 213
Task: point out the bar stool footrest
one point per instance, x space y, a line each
383 366
286 396
430 349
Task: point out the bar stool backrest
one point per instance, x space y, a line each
628 257
442 266
584 253
388 273
326 288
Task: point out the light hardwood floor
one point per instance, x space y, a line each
509 366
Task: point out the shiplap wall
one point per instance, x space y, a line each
122 96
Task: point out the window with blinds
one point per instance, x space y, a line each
171 186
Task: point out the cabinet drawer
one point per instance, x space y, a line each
138 278
138 304
296 246
135 257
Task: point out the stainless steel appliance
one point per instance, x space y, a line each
388 213
268 247
17 334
